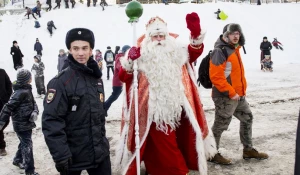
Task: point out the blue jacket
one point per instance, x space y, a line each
38 46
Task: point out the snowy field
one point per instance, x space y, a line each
274 97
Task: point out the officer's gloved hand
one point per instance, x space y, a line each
33 116
63 166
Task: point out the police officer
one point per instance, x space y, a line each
73 120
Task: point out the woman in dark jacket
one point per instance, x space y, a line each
265 48
17 55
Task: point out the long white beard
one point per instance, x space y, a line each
162 65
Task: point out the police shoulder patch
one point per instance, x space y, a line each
51 95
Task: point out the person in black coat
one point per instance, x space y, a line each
109 58
23 111
5 93
50 24
49 5
117 50
73 121
297 162
265 48
57 4
15 51
38 47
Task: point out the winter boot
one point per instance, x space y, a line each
249 153
18 164
3 152
219 159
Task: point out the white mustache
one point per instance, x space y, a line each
162 43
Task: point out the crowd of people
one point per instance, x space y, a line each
174 134
38 8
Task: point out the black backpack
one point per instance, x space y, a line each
203 72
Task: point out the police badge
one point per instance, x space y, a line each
51 95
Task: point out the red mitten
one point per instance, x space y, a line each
193 24
134 53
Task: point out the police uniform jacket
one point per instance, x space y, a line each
73 120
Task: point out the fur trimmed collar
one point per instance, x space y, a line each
91 68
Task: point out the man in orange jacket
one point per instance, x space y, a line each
229 91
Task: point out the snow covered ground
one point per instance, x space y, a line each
274 97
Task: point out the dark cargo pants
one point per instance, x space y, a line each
225 108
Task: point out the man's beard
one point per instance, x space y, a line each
161 62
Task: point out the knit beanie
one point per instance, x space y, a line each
265 37
14 42
38 57
23 76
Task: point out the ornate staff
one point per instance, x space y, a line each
134 11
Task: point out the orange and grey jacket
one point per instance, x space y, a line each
227 75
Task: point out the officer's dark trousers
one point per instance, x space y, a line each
104 168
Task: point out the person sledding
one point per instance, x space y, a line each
265 47
217 13
267 63
277 44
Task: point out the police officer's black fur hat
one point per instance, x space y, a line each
80 34
231 28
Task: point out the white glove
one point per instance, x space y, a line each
13 53
199 40
33 117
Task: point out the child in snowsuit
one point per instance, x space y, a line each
50 24
267 63
23 111
62 58
277 44
109 58
38 71
38 47
29 11
37 24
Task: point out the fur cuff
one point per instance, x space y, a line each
126 62
199 40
